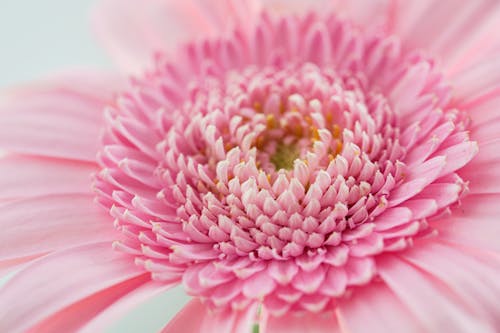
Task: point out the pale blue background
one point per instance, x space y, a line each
40 37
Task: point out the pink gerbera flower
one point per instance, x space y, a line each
297 166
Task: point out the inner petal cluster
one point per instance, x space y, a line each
282 162
275 165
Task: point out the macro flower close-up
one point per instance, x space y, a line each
294 165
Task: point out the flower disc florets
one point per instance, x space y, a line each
282 161
275 165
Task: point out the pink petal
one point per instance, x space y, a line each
410 86
295 6
376 13
43 224
375 309
282 271
75 316
121 308
443 194
231 321
9 265
309 282
474 223
477 80
55 120
420 177
133 31
360 270
473 280
486 131
335 282
483 172
457 40
393 217
457 156
301 323
86 83
421 208
189 319
483 108
59 280
22 177
196 317
259 285
432 304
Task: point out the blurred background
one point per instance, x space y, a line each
40 38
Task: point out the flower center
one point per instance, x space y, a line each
289 131
284 155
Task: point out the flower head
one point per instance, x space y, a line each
298 167
277 174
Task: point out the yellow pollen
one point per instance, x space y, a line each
314 133
339 148
336 131
298 131
259 142
282 108
257 106
329 118
271 121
